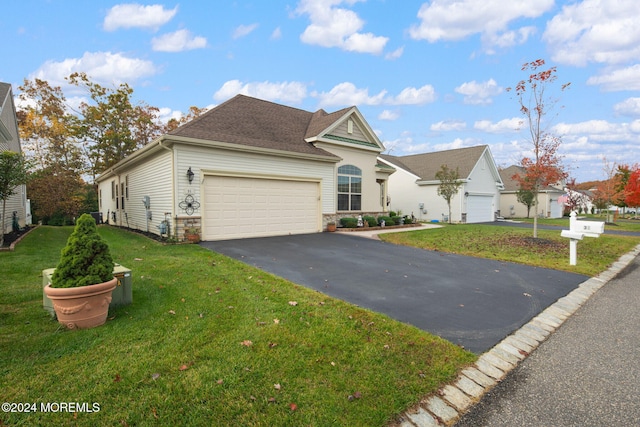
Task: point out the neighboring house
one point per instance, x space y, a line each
550 198
414 188
10 141
581 199
249 168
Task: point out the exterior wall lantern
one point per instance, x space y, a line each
190 175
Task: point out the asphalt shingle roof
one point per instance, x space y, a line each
428 164
254 122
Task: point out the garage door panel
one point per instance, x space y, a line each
236 207
479 209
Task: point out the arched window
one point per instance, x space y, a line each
349 188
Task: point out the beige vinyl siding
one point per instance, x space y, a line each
343 131
151 178
366 161
206 160
17 202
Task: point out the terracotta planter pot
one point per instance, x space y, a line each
331 227
193 238
83 307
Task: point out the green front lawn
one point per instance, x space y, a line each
516 245
621 224
207 341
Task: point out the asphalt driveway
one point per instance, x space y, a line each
469 301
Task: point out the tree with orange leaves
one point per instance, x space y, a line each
543 166
632 190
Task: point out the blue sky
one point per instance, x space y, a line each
427 76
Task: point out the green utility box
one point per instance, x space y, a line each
121 295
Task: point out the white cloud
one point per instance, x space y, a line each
503 126
388 115
244 30
102 67
134 15
449 125
479 93
178 41
601 31
628 107
289 92
337 27
618 80
276 34
414 96
442 20
600 130
347 93
395 54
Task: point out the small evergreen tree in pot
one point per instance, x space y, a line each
85 260
83 280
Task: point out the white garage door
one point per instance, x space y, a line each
479 209
236 207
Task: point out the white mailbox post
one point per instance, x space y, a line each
577 231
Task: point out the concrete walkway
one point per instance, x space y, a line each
373 234
584 374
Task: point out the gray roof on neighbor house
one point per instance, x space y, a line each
254 122
511 184
428 164
4 90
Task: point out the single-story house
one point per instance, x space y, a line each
413 189
17 205
550 198
249 168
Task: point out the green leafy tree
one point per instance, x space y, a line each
85 260
449 184
111 126
543 167
45 127
13 172
527 198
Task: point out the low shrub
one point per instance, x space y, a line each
370 220
387 220
348 222
392 214
408 219
397 219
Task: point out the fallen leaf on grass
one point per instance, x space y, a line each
184 367
354 396
293 303
155 414
155 376
246 343
117 379
172 312
219 382
293 406
277 386
276 321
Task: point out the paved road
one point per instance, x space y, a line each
586 374
469 301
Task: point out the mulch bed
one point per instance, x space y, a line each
11 239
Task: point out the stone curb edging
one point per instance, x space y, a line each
448 404
12 246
